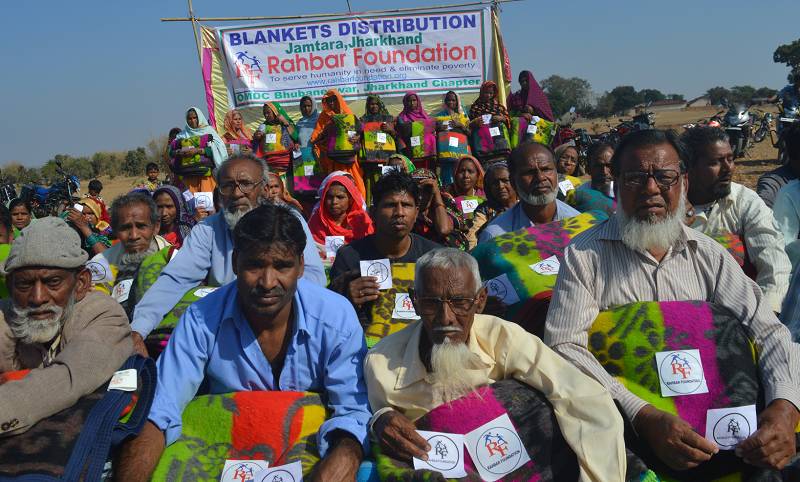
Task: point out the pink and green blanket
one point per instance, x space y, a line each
279 427
512 255
625 341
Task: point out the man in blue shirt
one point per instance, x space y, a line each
206 252
533 171
268 330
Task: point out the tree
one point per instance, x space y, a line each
764 92
625 97
563 93
789 54
675 97
717 94
651 95
742 94
135 161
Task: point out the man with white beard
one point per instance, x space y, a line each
207 252
646 253
453 350
72 339
533 171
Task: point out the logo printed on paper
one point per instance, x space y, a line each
279 476
494 131
243 471
445 453
97 270
731 429
247 66
497 288
681 372
379 271
404 307
499 450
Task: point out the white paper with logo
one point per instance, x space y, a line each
496 448
446 455
378 268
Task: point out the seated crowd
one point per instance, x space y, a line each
392 265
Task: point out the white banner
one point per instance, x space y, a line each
384 55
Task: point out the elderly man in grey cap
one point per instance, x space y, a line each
70 338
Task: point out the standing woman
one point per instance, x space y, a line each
274 138
336 138
237 136
21 214
417 132
176 221
196 152
530 100
489 122
451 123
341 213
378 141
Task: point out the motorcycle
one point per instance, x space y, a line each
787 117
764 122
738 124
7 190
50 201
642 121
713 121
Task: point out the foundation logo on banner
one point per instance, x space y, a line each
248 67
680 373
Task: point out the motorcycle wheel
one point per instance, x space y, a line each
760 135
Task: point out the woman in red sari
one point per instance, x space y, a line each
340 213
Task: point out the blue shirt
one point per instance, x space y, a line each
213 340
206 253
515 219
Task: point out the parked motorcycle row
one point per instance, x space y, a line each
45 201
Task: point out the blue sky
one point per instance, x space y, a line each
105 75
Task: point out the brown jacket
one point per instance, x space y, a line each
95 342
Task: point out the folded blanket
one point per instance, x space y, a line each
340 146
487 142
625 341
157 340
512 254
541 133
451 145
307 173
384 320
418 138
372 150
75 443
530 413
585 200
279 427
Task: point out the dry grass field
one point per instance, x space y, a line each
759 159
113 187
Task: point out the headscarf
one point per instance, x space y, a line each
97 210
277 112
306 124
285 196
231 134
218 149
357 219
183 219
408 115
478 184
446 110
410 167
534 97
327 115
578 164
382 112
492 106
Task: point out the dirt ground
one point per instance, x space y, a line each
759 159
113 187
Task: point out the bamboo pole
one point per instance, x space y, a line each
196 38
193 19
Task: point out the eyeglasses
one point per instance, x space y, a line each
429 306
227 188
665 178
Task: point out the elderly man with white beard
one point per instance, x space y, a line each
532 168
453 350
72 339
646 253
207 252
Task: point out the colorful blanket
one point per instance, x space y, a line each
530 413
197 165
591 200
150 270
374 149
452 145
489 140
75 443
384 319
625 341
540 131
307 175
4 250
157 340
340 147
505 263
279 427
418 138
